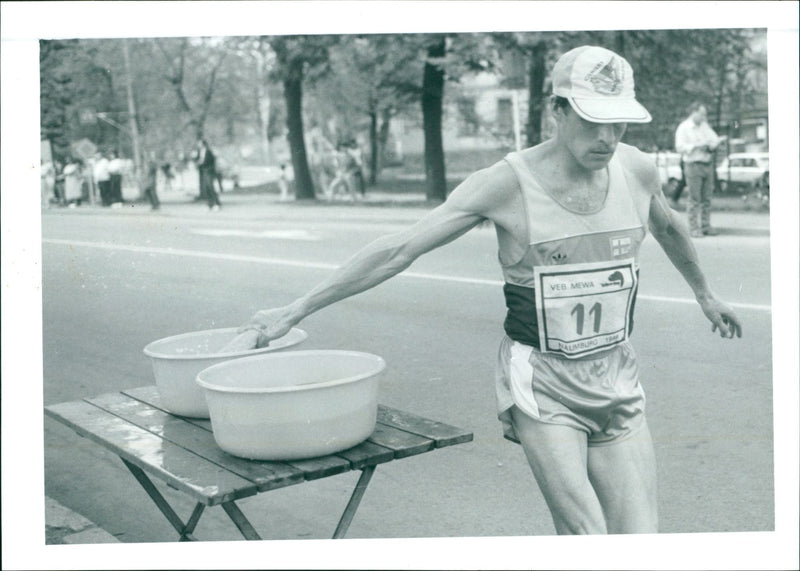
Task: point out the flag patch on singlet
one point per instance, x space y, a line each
621 246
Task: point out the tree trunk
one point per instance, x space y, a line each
374 146
383 136
137 157
263 108
263 102
432 108
293 93
619 43
719 95
536 100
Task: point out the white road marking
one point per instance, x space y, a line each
302 235
327 266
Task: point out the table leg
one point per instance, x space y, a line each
238 518
185 530
355 500
193 520
233 511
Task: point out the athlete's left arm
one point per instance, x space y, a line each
673 236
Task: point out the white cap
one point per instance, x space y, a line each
598 85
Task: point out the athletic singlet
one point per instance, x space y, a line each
571 289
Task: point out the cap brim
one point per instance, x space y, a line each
610 110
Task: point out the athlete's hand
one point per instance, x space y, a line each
722 317
270 324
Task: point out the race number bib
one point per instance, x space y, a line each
584 308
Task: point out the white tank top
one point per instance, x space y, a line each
571 289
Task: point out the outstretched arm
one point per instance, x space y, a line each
674 238
387 256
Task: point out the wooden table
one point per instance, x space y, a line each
182 452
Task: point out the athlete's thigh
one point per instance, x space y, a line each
557 455
624 476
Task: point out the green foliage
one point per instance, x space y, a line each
673 68
357 84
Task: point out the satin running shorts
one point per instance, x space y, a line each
599 395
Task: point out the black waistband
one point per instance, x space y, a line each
522 321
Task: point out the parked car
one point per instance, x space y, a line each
669 169
746 170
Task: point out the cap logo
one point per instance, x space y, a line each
606 79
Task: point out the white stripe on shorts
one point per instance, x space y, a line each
521 374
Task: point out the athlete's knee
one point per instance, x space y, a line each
579 521
644 523
575 508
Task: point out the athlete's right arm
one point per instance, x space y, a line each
473 201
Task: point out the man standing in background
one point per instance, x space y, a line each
696 141
150 181
207 167
102 178
115 177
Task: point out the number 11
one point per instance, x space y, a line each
596 310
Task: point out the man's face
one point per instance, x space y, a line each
699 115
591 144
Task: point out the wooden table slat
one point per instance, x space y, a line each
442 434
403 443
201 479
266 475
321 467
359 456
367 454
149 395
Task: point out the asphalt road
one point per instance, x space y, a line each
115 280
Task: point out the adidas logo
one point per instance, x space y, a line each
559 257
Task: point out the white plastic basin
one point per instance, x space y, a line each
291 405
176 361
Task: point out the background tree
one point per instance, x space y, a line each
230 88
432 107
55 87
372 78
672 68
78 80
535 48
446 58
194 92
299 58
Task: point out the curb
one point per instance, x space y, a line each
64 526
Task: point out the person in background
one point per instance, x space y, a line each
679 187
73 183
355 165
696 141
322 159
48 183
151 178
103 178
58 184
115 180
207 166
283 183
166 169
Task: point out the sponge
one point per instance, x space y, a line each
245 341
